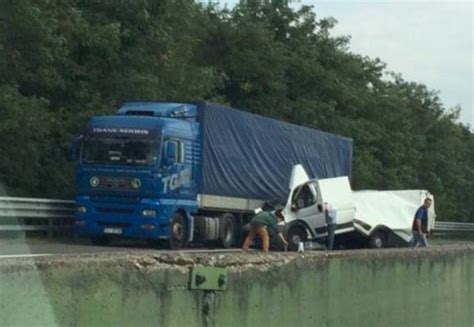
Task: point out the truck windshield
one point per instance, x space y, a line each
120 151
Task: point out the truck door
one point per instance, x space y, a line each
306 205
176 170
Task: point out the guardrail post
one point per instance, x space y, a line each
50 227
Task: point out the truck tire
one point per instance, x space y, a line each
100 241
178 233
295 235
227 230
200 228
378 240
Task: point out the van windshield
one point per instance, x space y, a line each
120 151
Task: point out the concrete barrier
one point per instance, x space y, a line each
430 287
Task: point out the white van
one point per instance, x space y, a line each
374 218
304 214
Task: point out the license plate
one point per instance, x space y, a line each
112 230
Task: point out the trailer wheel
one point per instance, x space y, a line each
177 232
295 235
378 240
227 230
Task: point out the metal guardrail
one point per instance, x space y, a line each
50 215
451 226
30 214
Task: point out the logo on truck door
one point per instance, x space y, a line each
174 181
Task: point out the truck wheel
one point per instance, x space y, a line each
227 230
100 241
378 240
177 232
296 234
200 228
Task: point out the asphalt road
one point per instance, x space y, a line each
36 247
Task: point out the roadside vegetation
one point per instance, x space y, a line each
62 61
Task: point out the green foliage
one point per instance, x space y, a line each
62 61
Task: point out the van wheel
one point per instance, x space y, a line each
296 234
378 240
227 230
177 232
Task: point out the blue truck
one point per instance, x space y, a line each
178 172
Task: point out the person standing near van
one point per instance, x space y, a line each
420 225
331 223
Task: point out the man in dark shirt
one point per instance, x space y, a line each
420 224
260 225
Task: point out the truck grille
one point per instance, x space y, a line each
114 199
115 183
113 224
115 210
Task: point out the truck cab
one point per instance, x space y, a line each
304 213
137 169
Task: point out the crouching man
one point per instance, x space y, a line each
261 224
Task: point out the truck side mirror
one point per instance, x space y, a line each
171 150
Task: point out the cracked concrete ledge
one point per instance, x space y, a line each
237 261
151 288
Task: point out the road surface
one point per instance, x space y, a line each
36 247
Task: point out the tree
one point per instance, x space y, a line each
62 61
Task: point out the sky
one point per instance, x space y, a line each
430 42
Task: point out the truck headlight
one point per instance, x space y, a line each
136 183
81 209
149 213
94 181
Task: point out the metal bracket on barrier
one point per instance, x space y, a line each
208 278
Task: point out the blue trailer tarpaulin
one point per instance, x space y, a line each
249 156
